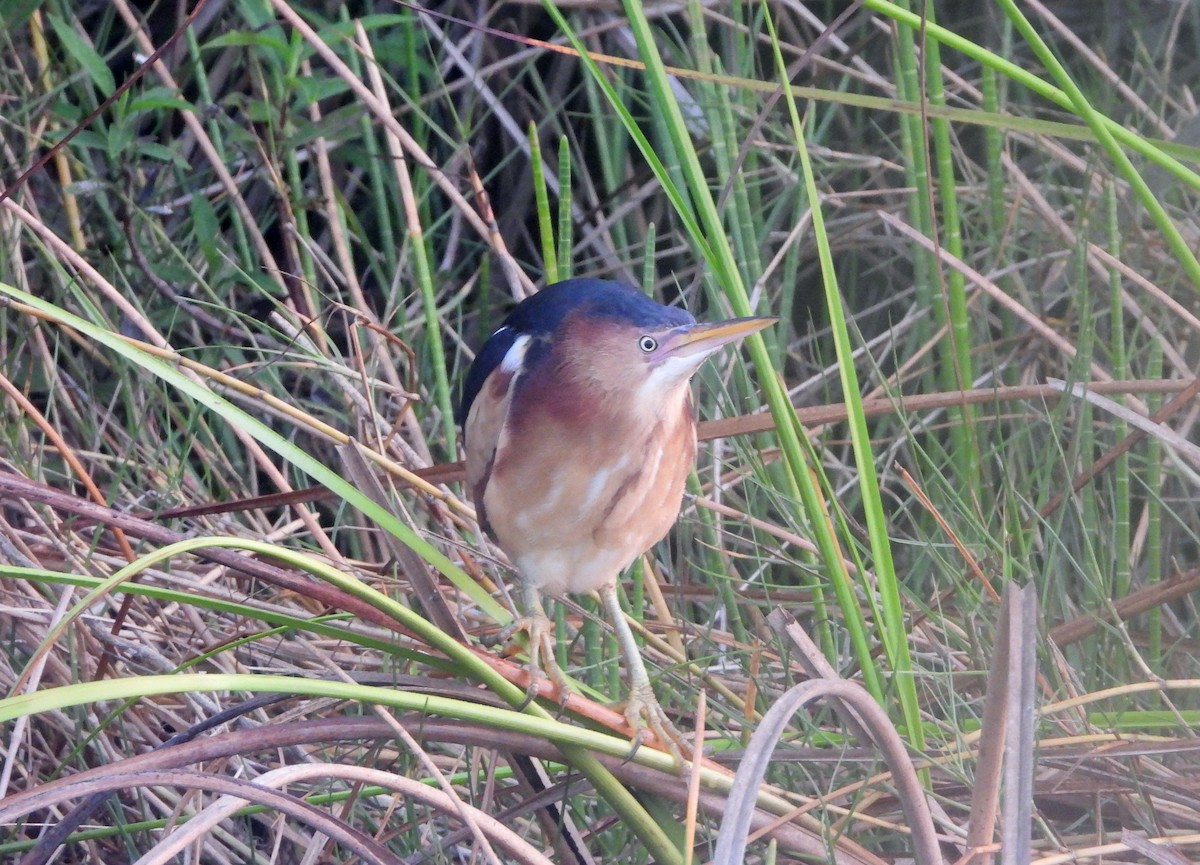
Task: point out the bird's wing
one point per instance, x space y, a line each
490 356
486 399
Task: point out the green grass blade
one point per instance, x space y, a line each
892 630
541 200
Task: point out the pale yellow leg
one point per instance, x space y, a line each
542 642
643 709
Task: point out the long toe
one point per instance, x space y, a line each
644 711
541 653
543 641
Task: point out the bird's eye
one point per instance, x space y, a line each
647 344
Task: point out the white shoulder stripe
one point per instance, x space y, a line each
515 355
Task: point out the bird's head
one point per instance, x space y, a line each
601 347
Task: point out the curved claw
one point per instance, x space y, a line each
541 654
643 710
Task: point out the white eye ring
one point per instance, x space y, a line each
647 344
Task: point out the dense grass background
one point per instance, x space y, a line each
292 229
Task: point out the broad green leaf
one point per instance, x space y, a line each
85 55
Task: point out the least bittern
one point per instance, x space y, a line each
580 433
